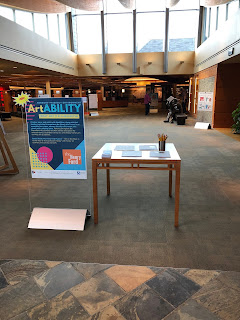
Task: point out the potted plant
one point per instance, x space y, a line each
236 119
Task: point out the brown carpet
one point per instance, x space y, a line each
136 223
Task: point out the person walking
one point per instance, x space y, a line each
147 101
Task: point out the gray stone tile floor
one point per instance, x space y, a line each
63 290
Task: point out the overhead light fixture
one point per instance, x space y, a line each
14 67
89 90
1 70
123 90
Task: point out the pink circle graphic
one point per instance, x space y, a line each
45 154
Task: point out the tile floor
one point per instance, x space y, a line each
62 290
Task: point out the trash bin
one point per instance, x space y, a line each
181 119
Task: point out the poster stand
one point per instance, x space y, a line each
56 144
5 150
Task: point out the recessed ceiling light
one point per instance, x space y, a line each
1 70
14 67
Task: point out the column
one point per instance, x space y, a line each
80 87
102 91
48 88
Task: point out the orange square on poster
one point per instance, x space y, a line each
72 156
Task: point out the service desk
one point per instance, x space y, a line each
145 162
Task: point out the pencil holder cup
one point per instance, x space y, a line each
161 145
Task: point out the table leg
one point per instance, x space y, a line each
177 192
108 179
95 191
170 180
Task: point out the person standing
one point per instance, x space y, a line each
147 101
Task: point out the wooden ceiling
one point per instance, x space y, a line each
61 6
213 2
17 74
42 6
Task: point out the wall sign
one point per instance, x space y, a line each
56 138
205 101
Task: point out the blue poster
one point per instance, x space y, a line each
56 138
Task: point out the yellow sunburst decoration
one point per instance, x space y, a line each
22 99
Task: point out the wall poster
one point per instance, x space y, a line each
205 101
56 138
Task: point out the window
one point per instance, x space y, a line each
186 5
89 34
24 19
40 23
114 6
150 5
62 30
221 15
53 28
83 12
182 30
213 23
119 33
150 32
208 18
233 7
6 13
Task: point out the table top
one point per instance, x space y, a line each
117 155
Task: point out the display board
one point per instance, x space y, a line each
154 99
56 138
205 101
93 101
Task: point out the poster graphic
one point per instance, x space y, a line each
56 138
154 99
205 101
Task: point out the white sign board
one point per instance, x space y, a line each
202 125
205 101
93 101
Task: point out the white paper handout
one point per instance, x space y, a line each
131 154
160 154
147 147
124 148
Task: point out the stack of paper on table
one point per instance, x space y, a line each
160 154
124 148
147 147
131 154
107 154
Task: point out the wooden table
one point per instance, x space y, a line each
144 162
